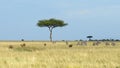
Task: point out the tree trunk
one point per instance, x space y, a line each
50 29
89 39
51 35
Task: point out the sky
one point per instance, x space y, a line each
98 18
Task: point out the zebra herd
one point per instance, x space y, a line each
80 43
106 43
94 43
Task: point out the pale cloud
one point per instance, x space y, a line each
84 12
97 11
77 12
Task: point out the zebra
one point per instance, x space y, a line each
96 43
84 43
107 43
113 44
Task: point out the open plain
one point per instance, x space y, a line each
43 54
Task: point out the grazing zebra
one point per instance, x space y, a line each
96 43
107 43
113 44
66 42
78 43
54 42
84 43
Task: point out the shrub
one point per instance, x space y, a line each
70 45
23 45
45 44
22 39
10 47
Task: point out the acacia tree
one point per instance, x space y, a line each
89 37
51 24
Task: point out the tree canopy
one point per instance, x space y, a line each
89 37
51 23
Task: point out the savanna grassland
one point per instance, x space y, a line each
58 55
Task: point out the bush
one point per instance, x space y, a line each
45 44
70 45
22 39
10 47
23 45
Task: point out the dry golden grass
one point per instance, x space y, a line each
59 55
